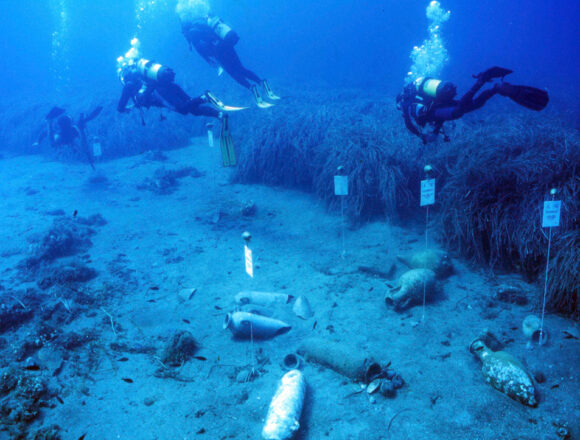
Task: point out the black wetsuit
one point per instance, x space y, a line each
419 111
147 93
62 131
218 52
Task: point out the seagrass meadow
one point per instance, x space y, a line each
492 177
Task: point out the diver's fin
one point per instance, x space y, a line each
529 97
219 104
259 101
493 72
55 112
231 108
264 104
269 91
227 144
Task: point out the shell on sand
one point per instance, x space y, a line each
373 386
412 285
435 260
302 308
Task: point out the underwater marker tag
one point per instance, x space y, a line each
210 137
97 150
249 262
551 215
341 185
427 192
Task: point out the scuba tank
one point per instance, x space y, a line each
434 89
155 71
222 30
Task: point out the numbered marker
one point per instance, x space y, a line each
551 214
249 262
97 150
210 138
341 185
427 192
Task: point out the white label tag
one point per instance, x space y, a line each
341 185
551 215
97 150
427 192
210 138
249 263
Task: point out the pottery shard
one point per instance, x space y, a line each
302 308
186 294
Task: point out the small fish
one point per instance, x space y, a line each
200 358
217 307
187 321
75 213
82 437
154 288
314 325
32 368
123 359
127 379
151 301
59 369
59 400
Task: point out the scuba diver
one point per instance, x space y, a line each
431 101
149 84
214 40
63 131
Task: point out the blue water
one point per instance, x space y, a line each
344 43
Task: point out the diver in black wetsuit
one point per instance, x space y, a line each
63 131
148 84
214 41
431 101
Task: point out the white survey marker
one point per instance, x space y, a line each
249 262
551 214
210 138
97 150
427 192
341 185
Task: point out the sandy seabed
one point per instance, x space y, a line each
155 245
